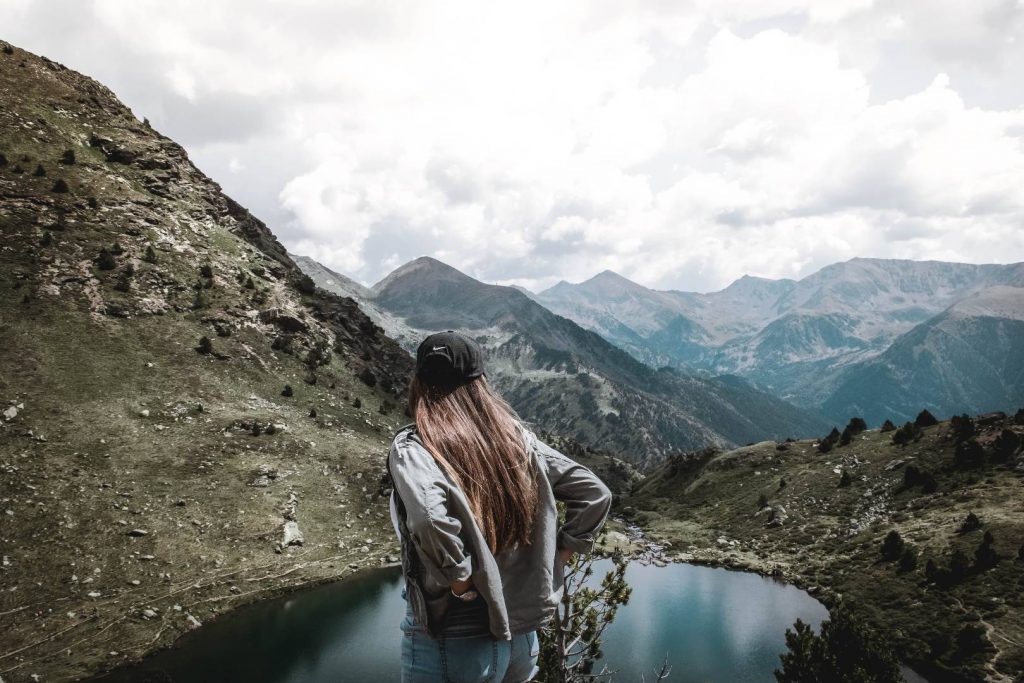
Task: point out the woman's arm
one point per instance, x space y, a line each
587 501
421 486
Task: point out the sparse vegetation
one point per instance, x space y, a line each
105 260
68 157
205 346
61 186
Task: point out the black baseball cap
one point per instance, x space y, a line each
449 358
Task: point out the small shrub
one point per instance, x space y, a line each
124 282
845 437
106 261
925 419
892 546
200 301
845 479
116 249
887 426
1006 444
762 501
249 284
986 557
971 640
908 433
47 240
205 346
3 160
312 412
1018 417
908 560
61 186
150 255
959 566
17 170
962 427
857 425
305 284
68 157
825 446
357 402
93 203
970 523
40 172
8 50
287 391
969 454
206 270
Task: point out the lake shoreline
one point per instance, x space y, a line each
649 551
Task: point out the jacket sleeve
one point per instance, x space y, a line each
423 490
586 498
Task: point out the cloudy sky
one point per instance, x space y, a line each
680 143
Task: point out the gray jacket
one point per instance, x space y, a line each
441 541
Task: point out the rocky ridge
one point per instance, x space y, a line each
188 424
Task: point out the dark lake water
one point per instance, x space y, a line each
713 624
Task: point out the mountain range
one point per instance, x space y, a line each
567 379
874 337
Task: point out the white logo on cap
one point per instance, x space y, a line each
439 348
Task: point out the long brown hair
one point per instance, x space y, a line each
475 436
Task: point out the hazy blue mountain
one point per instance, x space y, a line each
572 381
800 339
969 358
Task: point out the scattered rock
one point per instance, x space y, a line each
192 623
10 413
291 535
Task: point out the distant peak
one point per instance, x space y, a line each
423 266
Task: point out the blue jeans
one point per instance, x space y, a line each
476 659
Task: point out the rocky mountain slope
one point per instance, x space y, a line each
972 354
186 423
571 381
924 540
801 339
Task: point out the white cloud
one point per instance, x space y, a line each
680 144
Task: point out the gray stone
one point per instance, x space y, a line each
291 534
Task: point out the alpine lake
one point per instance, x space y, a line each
711 624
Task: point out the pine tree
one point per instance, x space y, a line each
845 652
845 479
986 557
571 642
908 560
105 260
887 426
205 346
925 419
970 523
68 158
892 546
40 172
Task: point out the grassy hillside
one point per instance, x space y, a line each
788 510
149 481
